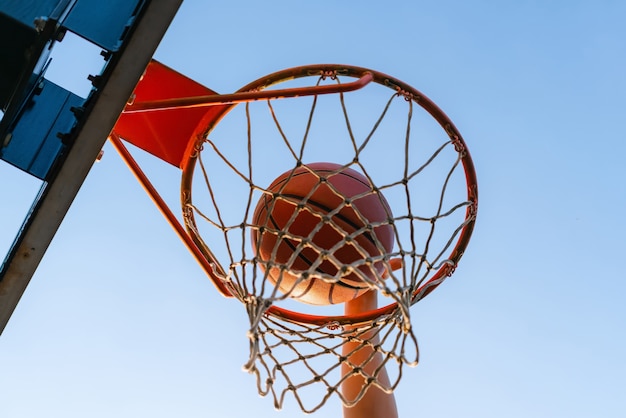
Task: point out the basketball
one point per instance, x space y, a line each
300 230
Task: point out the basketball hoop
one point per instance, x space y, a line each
390 189
290 140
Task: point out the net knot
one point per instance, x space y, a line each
408 96
333 326
448 268
459 146
332 74
473 208
198 147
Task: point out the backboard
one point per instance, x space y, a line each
68 131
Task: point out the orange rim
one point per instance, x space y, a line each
210 121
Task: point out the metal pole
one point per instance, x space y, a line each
166 212
57 196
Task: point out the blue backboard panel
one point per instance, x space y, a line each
29 136
102 22
33 144
26 11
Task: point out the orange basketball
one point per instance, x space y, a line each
295 233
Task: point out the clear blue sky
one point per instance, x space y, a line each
120 321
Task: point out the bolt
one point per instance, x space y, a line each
77 111
95 79
40 23
106 54
60 35
65 138
7 139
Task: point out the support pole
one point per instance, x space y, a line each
169 216
56 196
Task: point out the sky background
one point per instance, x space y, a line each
120 321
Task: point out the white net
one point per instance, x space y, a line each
412 158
